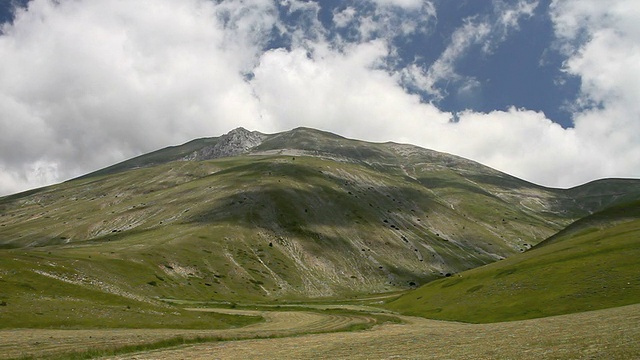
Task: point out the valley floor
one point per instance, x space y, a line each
603 334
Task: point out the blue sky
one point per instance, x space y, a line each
545 90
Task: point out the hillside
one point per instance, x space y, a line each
593 264
257 217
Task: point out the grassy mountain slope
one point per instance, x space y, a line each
593 264
304 214
267 227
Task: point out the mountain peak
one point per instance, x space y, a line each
233 143
238 130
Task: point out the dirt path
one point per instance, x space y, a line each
607 334
41 342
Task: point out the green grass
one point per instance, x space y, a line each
595 268
72 300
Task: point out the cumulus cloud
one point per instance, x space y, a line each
340 91
84 84
524 143
602 41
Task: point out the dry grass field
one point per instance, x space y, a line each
603 334
42 343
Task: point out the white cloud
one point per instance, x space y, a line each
602 42
573 19
523 143
339 91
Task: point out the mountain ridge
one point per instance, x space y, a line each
191 149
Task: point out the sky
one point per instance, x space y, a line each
545 90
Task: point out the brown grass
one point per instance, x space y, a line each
604 334
39 343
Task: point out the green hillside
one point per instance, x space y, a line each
302 215
591 265
268 227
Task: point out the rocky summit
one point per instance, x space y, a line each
236 142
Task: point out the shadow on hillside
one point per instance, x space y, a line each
292 209
293 195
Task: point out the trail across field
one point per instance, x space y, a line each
605 334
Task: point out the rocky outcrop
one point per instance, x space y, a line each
236 142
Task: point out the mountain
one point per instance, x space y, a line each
590 265
265 217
